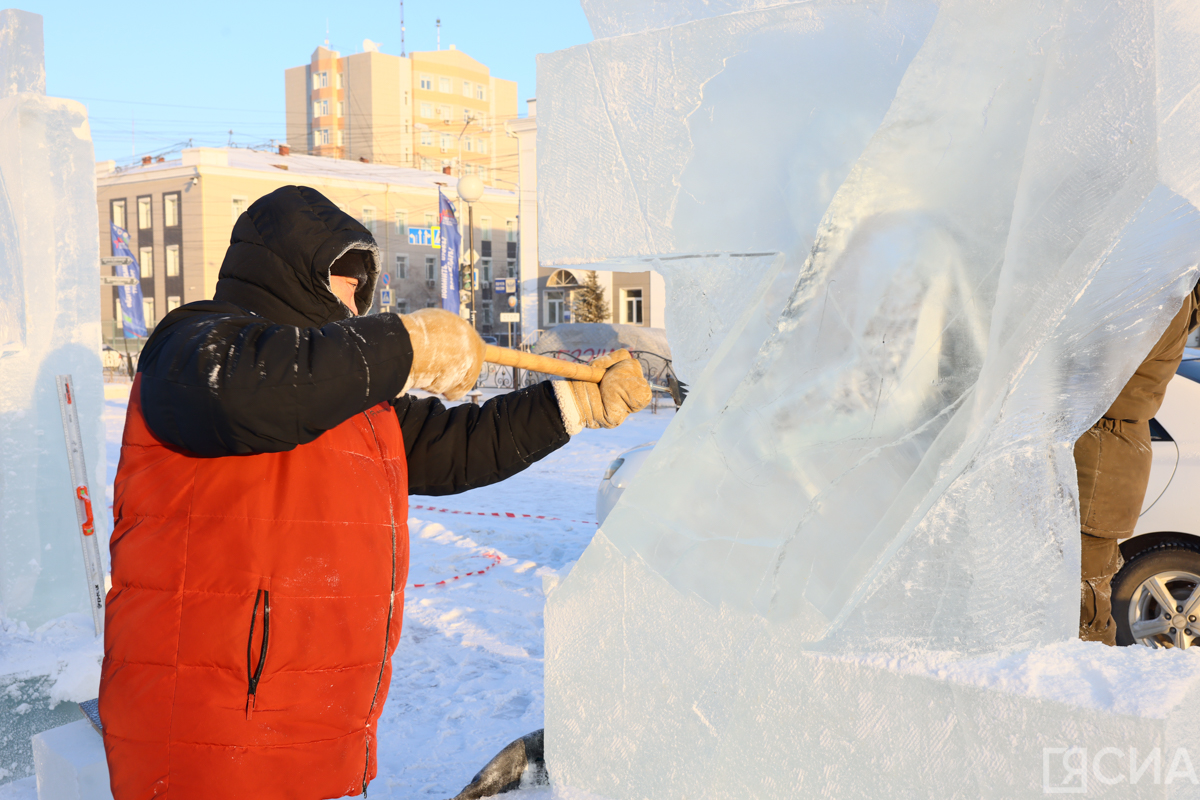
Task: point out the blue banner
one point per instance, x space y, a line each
450 250
133 319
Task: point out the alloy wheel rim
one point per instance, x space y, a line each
1165 610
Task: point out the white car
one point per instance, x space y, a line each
1156 595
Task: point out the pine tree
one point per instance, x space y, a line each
589 304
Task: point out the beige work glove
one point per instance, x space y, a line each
447 352
622 391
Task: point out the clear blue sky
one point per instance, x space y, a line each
178 71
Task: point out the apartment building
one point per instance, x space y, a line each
180 214
431 111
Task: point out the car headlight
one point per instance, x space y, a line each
612 468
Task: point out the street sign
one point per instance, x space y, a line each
116 280
510 316
385 297
115 261
385 279
512 301
429 237
506 285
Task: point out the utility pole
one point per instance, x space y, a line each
402 53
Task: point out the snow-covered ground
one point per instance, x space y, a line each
467 675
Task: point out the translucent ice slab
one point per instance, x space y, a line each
896 463
49 325
723 139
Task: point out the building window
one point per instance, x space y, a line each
320 108
118 213
431 271
341 109
368 219
510 230
427 110
446 113
117 315
171 209
401 306
144 219
555 306
512 268
174 301
466 88
480 92
426 82
320 80
427 138
467 115
447 142
339 80
429 219
148 311
401 267
321 136
631 306
485 229
485 277
339 138
238 207
172 262
400 223
487 314
468 144
444 85
146 261
482 171
481 145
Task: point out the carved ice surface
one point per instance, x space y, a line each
728 135
885 464
49 325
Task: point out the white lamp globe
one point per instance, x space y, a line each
470 188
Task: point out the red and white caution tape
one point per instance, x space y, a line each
503 515
495 558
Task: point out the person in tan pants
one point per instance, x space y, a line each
1113 462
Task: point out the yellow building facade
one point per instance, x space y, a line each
180 214
436 111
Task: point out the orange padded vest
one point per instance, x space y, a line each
255 606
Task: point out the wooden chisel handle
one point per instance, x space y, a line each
544 364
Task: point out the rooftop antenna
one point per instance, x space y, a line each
402 53
439 34
327 33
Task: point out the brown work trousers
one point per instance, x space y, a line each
1101 561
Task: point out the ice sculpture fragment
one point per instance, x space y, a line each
49 325
885 466
700 152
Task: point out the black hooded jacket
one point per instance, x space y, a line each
275 359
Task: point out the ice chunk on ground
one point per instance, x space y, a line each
49 325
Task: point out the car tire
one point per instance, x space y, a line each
1179 564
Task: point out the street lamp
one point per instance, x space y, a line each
470 189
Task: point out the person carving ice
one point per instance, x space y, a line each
1113 461
260 549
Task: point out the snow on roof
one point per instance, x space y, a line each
301 165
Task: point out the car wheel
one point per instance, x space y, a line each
1156 598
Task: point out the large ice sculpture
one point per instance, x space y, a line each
725 136
49 325
886 465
